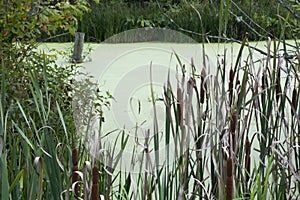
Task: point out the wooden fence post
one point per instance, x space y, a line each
78 48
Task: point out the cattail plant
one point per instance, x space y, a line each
75 176
229 180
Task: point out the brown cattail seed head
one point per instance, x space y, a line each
179 106
294 102
247 159
95 174
229 188
247 166
95 185
230 90
233 141
278 87
231 75
202 91
75 176
264 83
233 122
247 146
74 157
229 167
229 180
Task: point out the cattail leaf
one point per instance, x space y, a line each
180 63
65 191
1 145
24 137
87 165
15 181
57 159
240 53
243 91
80 174
62 121
133 183
45 152
37 160
74 187
23 113
268 173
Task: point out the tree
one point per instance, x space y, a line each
25 21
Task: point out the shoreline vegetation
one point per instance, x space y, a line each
221 21
229 134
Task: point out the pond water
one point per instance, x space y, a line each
124 70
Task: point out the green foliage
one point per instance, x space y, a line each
25 21
231 19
